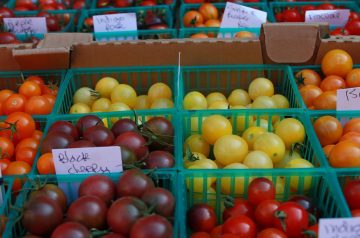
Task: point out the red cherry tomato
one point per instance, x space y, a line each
264 212
236 207
201 217
326 6
271 233
291 15
242 226
200 235
352 194
260 189
353 27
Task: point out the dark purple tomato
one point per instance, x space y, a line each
134 142
152 19
54 193
71 229
88 121
99 135
55 140
161 199
100 186
133 183
123 213
113 235
160 133
201 217
41 216
123 125
304 201
128 157
66 127
81 144
153 226
159 159
88 210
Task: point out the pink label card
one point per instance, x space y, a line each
337 18
348 99
99 160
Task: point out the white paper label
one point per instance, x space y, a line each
26 25
237 16
348 99
91 160
115 22
339 228
337 18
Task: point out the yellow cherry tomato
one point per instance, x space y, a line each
124 93
239 97
261 87
303 183
258 160
105 85
198 183
159 90
214 127
280 101
287 157
117 107
208 197
230 149
79 108
272 145
142 102
263 102
197 144
195 100
162 103
219 105
101 105
291 131
214 97
190 159
242 121
237 185
251 134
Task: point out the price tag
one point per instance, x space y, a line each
339 228
26 25
348 99
90 160
337 18
115 22
237 16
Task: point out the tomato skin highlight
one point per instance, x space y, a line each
242 226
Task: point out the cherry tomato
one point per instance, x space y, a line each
352 194
14 103
326 6
24 124
201 217
5 94
29 89
242 226
38 105
295 218
216 232
271 233
236 207
37 135
49 89
264 212
17 168
260 189
28 142
4 163
355 213
200 234
45 164
26 154
340 32
6 148
291 15
353 27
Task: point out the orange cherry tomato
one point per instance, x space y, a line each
352 125
5 94
328 129
191 18
14 103
4 163
208 11
37 135
199 36
353 78
24 124
49 89
345 154
30 142
6 148
51 98
326 101
308 77
336 62
45 164
38 105
36 79
327 149
332 82
309 93
17 168
30 89
26 154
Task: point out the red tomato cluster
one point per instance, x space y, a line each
45 5
202 1
33 97
259 216
352 195
130 3
132 207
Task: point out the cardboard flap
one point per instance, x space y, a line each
64 40
165 52
7 61
293 43
350 44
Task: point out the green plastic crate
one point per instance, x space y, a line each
70 184
7 199
224 79
191 123
276 6
221 7
163 11
140 78
12 80
343 117
214 32
71 14
315 184
137 4
12 3
109 118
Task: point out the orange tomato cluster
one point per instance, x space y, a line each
19 142
341 144
33 97
318 92
206 16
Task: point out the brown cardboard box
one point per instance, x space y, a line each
7 61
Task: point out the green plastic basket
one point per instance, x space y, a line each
343 117
138 3
12 80
191 123
224 79
214 32
72 15
7 199
109 118
277 6
221 7
140 78
315 184
69 184
163 11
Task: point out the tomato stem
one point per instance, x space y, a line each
281 215
229 201
309 234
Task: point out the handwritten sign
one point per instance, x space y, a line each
115 22
88 160
26 25
337 18
339 228
237 16
348 99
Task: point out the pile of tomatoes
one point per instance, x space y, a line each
260 95
19 142
46 5
341 144
319 92
148 146
132 207
130 3
109 95
33 97
206 16
259 216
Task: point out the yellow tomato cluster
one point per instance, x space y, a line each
256 147
109 95
260 94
